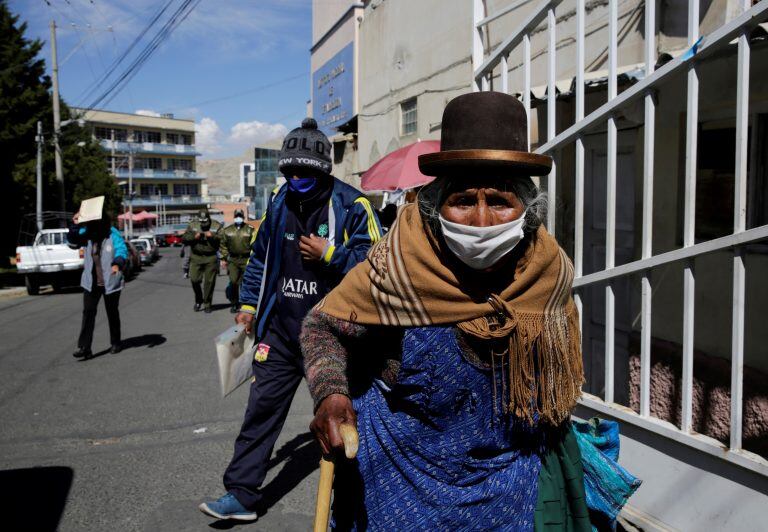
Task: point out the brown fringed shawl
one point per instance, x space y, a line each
404 283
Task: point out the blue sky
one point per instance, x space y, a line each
224 49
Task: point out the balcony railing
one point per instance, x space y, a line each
150 173
180 199
149 147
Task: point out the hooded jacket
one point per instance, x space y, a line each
353 227
114 252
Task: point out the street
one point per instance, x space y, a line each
136 440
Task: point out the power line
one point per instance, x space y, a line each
116 63
242 93
178 17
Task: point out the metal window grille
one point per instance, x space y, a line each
409 117
491 64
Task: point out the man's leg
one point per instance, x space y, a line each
209 282
90 305
236 269
196 278
276 381
112 302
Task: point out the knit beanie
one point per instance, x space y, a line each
306 147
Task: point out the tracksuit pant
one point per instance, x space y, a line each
276 379
90 306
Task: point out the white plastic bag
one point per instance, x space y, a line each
234 351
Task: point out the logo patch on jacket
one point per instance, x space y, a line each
262 352
322 230
298 288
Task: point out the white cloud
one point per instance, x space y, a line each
213 142
147 112
208 136
255 132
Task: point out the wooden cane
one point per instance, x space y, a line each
325 486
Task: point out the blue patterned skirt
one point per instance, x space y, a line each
435 454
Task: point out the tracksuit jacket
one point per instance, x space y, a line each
114 251
353 227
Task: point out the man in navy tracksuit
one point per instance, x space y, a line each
315 230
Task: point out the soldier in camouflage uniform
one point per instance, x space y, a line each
235 250
202 237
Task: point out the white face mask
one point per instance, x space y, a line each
238 220
482 247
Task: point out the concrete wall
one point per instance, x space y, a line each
425 55
422 49
344 35
325 14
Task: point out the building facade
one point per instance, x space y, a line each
154 162
334 77
656 114
259 178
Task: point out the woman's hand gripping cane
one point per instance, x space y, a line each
334 426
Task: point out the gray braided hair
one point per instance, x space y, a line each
434 194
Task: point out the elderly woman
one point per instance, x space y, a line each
455 348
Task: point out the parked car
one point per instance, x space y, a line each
160 240
133 265
154 250
145 252
173 240
49 260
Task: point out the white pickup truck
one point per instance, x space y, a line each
49 260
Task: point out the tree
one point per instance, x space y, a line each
85 171
24 99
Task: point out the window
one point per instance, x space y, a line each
148 163
172 138
186 139
151 189
105 133
180 164
408 117
185 189
715 178
146 136
52 239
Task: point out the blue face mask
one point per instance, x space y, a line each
302 185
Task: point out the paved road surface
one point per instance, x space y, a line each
132 441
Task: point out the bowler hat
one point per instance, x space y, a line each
484 131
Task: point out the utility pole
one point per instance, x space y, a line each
39 210
112 137
57 119
130 190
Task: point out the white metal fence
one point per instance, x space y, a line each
490 64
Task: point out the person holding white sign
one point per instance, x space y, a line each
105 257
